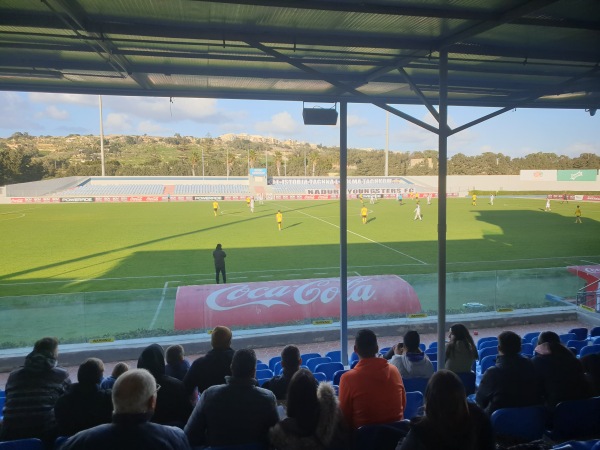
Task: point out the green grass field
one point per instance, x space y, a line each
71 269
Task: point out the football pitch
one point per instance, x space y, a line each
80 271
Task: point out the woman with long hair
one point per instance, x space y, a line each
314 420
450 422
461 351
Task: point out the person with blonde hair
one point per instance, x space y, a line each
119 369
134 399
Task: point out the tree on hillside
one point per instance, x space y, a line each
230 162
194 160
313 159
252 157
278 161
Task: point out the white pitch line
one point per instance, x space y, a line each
162 300
358 274
12 218
363 237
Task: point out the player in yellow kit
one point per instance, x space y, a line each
215 207
578 215
279 218
364 212
474 198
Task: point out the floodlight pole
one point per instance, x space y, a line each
387 141
443 172
101 138
344 232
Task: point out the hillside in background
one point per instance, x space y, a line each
24 157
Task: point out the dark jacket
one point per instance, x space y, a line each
209 370
235 413
173 404
82 407
512 382
424 436
219 256
278 385
31 393
562 375
329 434
129 432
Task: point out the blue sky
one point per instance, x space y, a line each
515 133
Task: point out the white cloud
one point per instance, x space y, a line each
72 99
52 112
15 112
117 123
356 121
577 148
281 122
151 128
163 110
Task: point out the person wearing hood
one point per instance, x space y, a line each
32 392
409 359
314 420
85 405
173 404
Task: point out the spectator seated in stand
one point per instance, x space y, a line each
513 381
314 420
560 371
119 369
31 393
85 404
173 404
290 362
235 413
450 422
212 368
177 366
410 361
134 399
591 367
372 392
461 351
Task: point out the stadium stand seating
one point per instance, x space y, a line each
274 360
261 366
566 337
577 345
305 357
278 369
312 363
488 344
487 351
468 379
486 363
580 333
414 403
264 373
527 350
329 369
374 437
588 350
22 444
528 337
415 384
595 332
335 355
433 345
576 419
338 375
486 339
431 354
320 376
523 424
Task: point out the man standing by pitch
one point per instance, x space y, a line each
219 257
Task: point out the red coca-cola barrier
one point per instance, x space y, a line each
591 274
274 303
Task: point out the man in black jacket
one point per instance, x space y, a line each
211 368
513 381
32 392
235 413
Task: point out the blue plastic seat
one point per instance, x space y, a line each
468 380
338 375
278 369
329 369
595 332
262 366
528 337
414 403
305 357
22 444
577 344
372 437
415 384
320 376
576 419
566 337
523 424
433 345
527 350
486 339
274 360
581 333
487 352
431 354
384 350
353 357
262 381
264 373
334 355
486 363
488 344
588 350
312 363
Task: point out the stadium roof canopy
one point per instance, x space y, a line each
501 53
